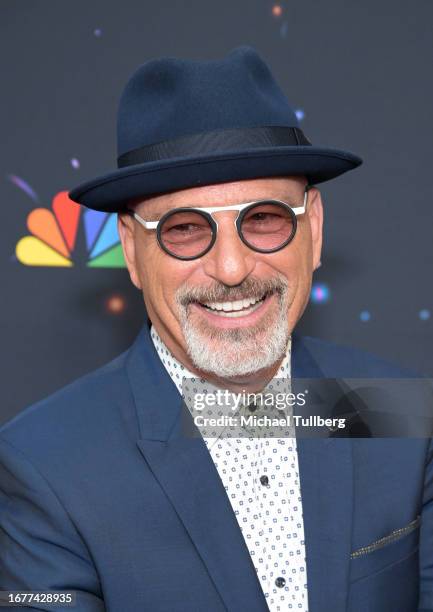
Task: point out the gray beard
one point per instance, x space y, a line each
240 351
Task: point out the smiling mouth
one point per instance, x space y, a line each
234 309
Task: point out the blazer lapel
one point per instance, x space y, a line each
325 467
185 470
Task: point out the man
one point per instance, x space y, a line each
105 492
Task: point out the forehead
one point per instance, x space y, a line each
282 188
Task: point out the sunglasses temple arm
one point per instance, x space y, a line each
146 224
300 210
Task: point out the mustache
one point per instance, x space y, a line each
249 288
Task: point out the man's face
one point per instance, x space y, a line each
230 312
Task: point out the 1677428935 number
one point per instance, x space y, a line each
23 598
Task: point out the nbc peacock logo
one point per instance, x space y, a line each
68 235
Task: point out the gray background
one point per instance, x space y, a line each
360 71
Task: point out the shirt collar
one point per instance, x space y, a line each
187 382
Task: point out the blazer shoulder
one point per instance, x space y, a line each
339 360
75 411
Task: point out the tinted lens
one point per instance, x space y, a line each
268 226
185 234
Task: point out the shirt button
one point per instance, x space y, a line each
280 582
264 480
252 407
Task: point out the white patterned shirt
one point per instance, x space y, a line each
261 478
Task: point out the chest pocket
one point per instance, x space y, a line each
377 555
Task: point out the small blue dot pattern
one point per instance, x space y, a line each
261 479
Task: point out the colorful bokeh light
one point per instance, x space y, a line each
24 186
115 304
300 114
320 293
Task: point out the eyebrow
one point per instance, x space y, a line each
153 216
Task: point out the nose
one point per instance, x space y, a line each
229 261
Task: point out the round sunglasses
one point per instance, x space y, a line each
265 226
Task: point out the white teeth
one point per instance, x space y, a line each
232 306
239 308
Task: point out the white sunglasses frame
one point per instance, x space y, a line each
153 225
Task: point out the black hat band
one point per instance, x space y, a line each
215 141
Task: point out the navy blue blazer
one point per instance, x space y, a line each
101 493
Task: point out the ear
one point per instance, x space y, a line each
315 215
126 230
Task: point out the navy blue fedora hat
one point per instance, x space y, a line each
184 123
